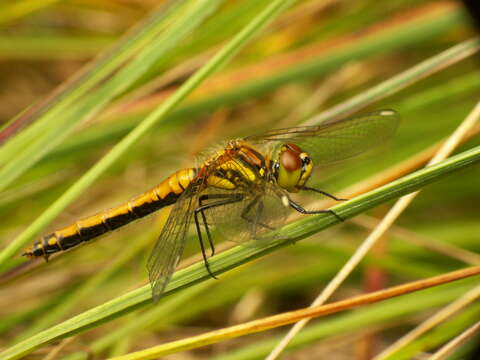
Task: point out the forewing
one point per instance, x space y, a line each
335 141
169 247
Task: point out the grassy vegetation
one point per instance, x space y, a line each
106 99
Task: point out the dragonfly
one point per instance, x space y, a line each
242 191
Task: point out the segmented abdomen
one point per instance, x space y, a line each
164 194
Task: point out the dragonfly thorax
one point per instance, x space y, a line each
292 168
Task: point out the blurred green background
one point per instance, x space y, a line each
315 55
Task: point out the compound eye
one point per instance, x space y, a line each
290 167
290 160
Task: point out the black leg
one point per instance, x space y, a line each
202 247
228 199
204 219
300 209
209 236
323 193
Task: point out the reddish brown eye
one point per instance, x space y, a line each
290 160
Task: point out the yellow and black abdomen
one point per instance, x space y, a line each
162 195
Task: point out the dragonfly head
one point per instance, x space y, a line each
293 168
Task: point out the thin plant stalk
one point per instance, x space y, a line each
450 347
431 322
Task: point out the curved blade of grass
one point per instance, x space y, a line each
266 280
241 254
225 54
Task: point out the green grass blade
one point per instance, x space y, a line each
240 254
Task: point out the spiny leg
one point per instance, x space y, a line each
323 193
302 210
201 209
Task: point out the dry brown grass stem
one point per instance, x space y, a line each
296 315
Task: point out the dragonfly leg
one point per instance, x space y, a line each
301 210
227 199
202 247
205 223
204 218
323 193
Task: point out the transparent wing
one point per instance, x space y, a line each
169 247
335 141
249 212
